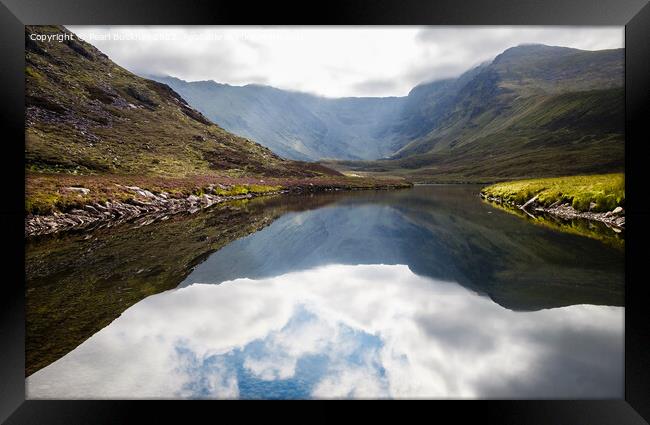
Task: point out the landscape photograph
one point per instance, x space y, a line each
332 212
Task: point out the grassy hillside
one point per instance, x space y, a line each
535 110
85 115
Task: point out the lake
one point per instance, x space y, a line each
420 293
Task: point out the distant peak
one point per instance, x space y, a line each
528 49
537 47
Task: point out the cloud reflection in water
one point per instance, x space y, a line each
362 331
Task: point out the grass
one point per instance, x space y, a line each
606 191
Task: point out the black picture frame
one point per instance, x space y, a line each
633 14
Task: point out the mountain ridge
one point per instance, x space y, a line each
435 117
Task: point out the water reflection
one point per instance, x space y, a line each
342 331
442 232
206 339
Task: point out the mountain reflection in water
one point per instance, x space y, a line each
443 232
342 331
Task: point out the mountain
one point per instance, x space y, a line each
534 111
424 108
516 83
293 124
87 115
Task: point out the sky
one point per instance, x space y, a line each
327 61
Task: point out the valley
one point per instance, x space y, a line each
533 111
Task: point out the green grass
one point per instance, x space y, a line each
246 189
607 191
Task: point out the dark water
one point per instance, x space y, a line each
426 293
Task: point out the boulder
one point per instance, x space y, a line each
81 190
207 200
146 194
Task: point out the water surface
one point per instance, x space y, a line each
426 293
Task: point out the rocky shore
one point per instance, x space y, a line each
146 207
614 219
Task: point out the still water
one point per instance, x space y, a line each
421 293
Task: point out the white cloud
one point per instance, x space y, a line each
330 61
351 382
380 331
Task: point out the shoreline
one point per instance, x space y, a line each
147 207
612 219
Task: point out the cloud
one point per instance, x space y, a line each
463 47
329 61
342 331
209 377
375 86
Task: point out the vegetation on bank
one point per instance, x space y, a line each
50 193
597 193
